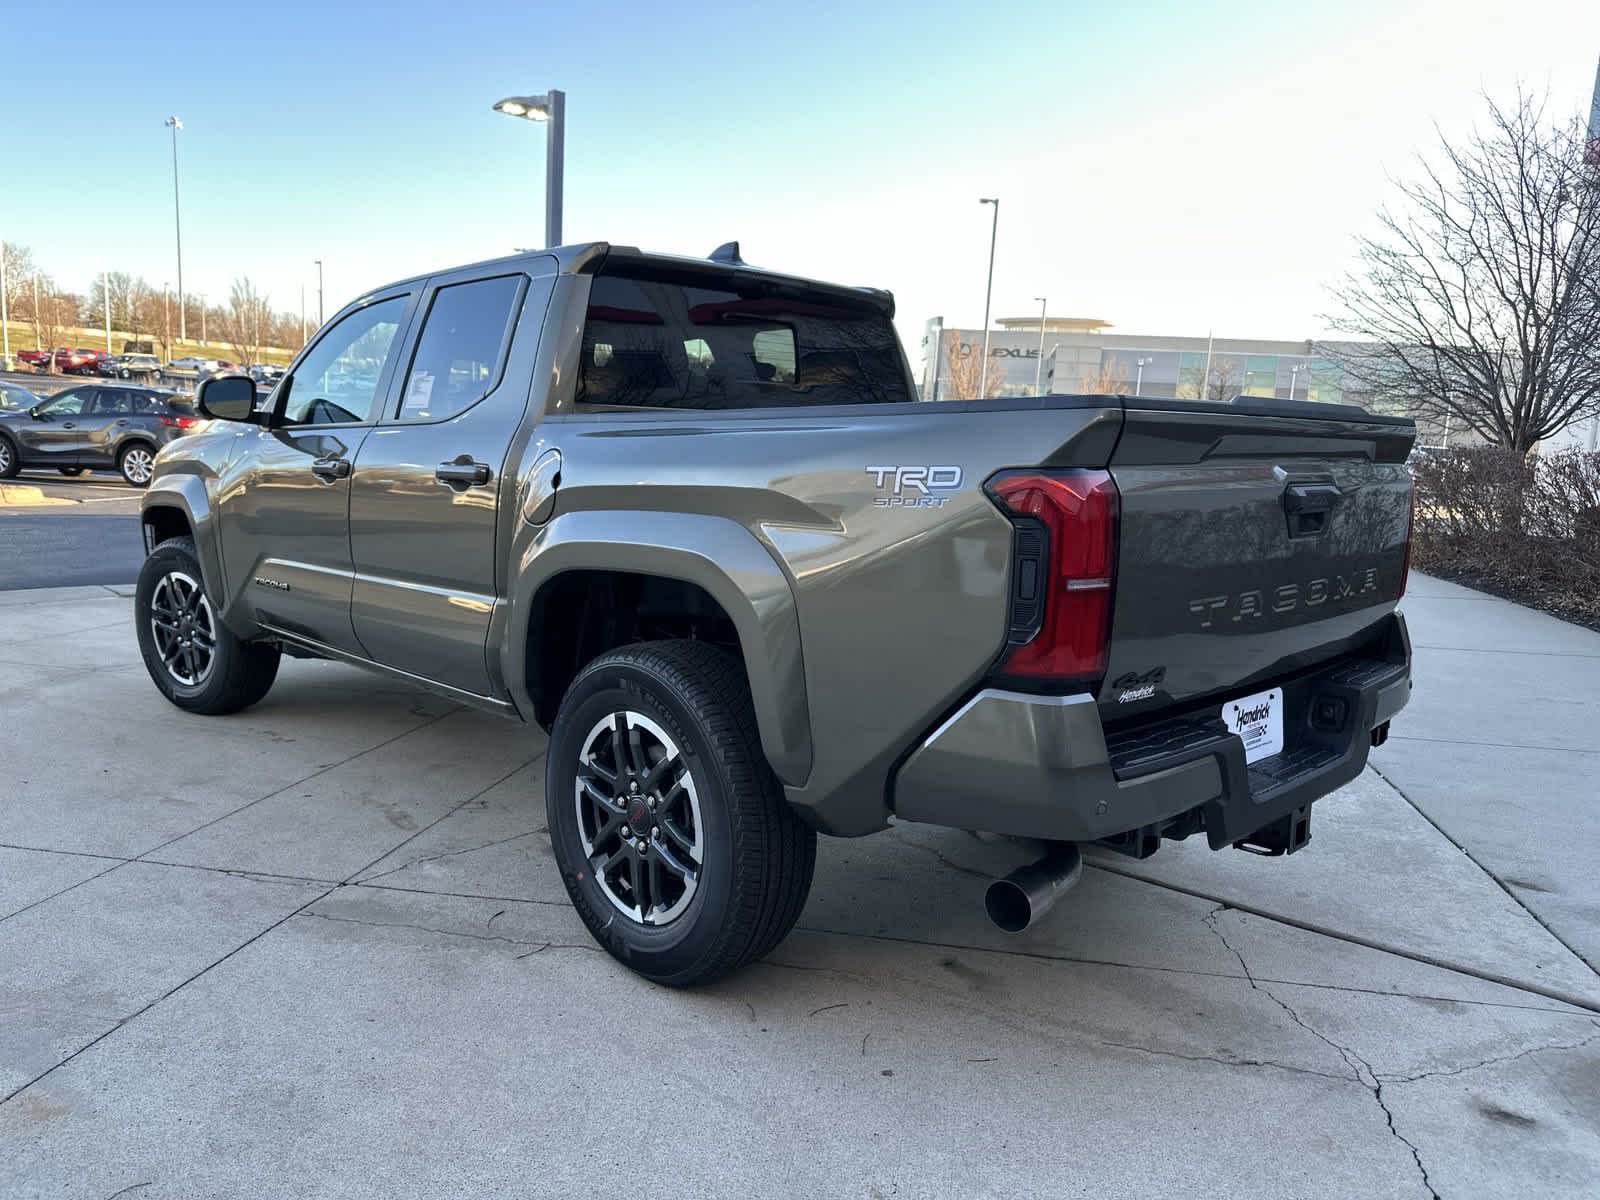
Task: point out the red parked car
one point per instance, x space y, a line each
39 360
79 362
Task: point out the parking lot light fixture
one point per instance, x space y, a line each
174 124
551 108
988 293
1038 366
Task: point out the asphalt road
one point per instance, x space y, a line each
94 540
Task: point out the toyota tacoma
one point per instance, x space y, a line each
689 517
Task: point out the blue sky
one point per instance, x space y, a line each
1171 167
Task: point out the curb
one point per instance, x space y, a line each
23 495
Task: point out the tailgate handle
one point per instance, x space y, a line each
1309 508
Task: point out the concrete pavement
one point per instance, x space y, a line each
320 949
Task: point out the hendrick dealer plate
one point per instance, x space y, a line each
1258 720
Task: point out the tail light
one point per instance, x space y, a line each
1066 546
178 422
1411 526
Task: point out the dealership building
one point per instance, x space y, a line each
1078 354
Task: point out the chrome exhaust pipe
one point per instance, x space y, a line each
1025 895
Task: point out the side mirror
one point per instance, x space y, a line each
226 397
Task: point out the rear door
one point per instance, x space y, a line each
1254 540
430 491
105 419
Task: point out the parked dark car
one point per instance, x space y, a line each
146 367
17 399
96 425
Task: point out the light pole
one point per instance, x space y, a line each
177 222
988 291
203 340
38 344
1138 380
319 292
551 108
302 314
1038 367
105 294
5 315
1294 372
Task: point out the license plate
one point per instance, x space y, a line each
1258 720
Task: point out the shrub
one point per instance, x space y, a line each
1528 529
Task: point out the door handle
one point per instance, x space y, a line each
331 468
69 425
462 472
1309 507
124 421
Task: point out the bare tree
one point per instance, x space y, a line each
1110 378
19 280
963 369
55 313
1481 301
245 320
1222 382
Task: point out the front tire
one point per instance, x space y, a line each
675 842
193 658
9 463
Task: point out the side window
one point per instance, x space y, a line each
66 404
457 361
113 403
337 380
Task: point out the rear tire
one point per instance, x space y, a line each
719 810
137 464
9 463
193 658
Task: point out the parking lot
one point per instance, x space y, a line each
320 949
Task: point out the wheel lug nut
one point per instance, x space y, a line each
626 832
653 802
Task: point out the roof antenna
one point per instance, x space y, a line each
728 253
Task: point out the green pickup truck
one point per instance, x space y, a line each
690 517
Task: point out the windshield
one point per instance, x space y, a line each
12 398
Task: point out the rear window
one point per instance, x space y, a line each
664 343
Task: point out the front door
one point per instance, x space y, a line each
52 437
285 507
428 491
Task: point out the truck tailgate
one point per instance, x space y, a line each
1256 539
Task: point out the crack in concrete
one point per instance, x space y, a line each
426 858
1494 1061
1227 1062
1117 964
1360 1069
540 945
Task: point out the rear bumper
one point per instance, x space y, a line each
1044 766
